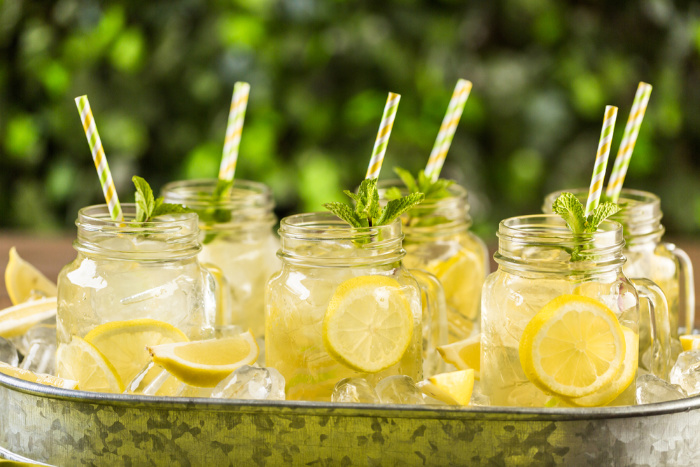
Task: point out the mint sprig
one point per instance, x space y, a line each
148 207
366 211
420 184
568 206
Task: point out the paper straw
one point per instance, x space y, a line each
629 139
375 163
236 115
601 159
447 129
98 155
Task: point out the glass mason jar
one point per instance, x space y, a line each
649 257
333 271
237 240
534 255
126 272
438 240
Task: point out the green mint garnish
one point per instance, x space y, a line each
149 207
366 211
421 184
572 211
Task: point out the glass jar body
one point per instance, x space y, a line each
237 239
124 273
534 269
321 258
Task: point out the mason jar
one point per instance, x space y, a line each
237 241
649 257
127 271
336 286
438 240
534 268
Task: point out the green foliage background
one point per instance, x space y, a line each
159 75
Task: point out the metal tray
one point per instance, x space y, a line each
63 427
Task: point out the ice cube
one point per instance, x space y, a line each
40 356
686 372
479 399
354 390
250 382
8 352
651 389
153 380
399 389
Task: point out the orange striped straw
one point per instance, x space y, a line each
601 159
447 129
382 141
98 155
629 139
236 115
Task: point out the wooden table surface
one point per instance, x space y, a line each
50 253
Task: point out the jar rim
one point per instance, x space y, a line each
552 226
326 225
456 191
98 215
196 194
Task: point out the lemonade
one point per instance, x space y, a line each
437 240
649 257
130 272
237 238
557 331
341 306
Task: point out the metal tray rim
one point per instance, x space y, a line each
350 409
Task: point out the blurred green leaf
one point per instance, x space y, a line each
22 138
128 51
203 161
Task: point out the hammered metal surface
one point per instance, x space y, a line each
76 428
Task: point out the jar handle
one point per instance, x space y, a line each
217 313
434 332
685 271
659 325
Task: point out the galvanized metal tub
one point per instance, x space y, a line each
62 427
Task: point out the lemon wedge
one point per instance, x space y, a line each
123 343
30 376
83 363
368 325
205 363
573 347
463 354
17 319
622 380
25 282
454 387
688 342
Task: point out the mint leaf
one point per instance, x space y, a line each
344 212
599 214
367 202
221 189
571 210
392 193
396 207
407 179
148 207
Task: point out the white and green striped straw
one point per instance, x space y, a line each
99 157
447 129
629 139
236 115
601 159
380 144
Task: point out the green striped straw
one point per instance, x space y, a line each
601 159
234 128
380 144
629 139
99 157
447 129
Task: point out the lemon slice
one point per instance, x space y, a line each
123 343
83 363
621 381
206 363
464 354
32 377
368 324
454 388
458 276
572 347
16 320
688 342
25 282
